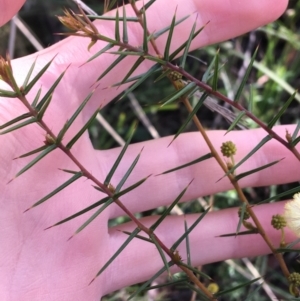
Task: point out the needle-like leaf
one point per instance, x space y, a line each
15 120
245 78
49 92
73 117
145 284
82 130
44 153
169 39
252 171
224 292
202 158
58 189
28 87
111 66
190 116
26 80
19 125
187 47
191 228
117 162
181 93
281 111
117 26
125 32
118 252
169 209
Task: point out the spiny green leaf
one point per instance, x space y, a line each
115 63
128 19
44 108
187 47
9 94
139 237
191 115
155 59
128 172
162 255
145 31
202 158
90 219
117 162
252 294
187 244
117 26
58 189
37 77
133 68
280 195
245 78
107 47
49 92
253 151
73 117
169 39
252 171
222 293
181 93
296 141
281 111
147 5
26 80
17 119
169 209
247 232
196 271
296 132
202 296
125 32
19 125
236 121
145 284
160 32
107 199
251 99
191 228
169 283
163 75
241 218
118 252
36 99
37 150
216 72
208 72
141 80
111 4
180 48
44 153
82 130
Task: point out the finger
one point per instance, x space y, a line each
9 9
238 17
157 157
141 259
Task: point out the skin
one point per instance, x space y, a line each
43 265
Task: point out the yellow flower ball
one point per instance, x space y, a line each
292 214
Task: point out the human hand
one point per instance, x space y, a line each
38 264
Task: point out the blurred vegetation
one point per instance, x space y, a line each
278 53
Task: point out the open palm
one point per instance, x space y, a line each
43 265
